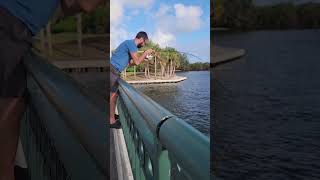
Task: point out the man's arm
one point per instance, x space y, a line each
71 7
137 60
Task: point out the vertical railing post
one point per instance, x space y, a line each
79 30
49 38
42 43
164 166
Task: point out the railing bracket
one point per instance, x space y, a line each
164 119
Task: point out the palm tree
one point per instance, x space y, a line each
162 61
176 63
147 70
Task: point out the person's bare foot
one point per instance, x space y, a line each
112 120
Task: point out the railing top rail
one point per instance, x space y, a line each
189 146
83 116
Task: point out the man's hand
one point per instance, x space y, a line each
149 51
137 60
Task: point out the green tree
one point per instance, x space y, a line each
243 14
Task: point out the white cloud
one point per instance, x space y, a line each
183 11
116 12
164 39
188 18
163 10
117 36
183 19
172 20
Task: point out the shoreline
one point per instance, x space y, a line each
221 55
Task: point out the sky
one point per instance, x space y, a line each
182 24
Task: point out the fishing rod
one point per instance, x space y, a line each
193 55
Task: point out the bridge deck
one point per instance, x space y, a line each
113 167
120 168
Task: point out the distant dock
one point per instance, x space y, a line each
222 55
139 79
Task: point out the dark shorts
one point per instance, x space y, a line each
15 42
114 76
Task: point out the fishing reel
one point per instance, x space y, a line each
149 57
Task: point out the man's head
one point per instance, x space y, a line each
141 39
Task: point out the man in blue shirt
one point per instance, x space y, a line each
120 59
19 21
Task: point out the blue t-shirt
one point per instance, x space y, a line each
34 13
121 57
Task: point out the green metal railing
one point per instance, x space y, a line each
160 145
63 132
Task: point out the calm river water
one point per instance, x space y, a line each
267 107
189 99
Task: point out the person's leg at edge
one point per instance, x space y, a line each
113 96
11 110
113 101
14 45
12 106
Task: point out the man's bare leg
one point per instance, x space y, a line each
113 101
11 110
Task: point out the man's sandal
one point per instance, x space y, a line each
116 125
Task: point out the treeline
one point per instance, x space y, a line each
185 66
169 60
244 14
198 66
